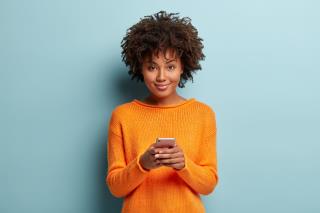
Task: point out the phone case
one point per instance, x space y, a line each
165 142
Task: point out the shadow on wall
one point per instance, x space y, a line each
119 89
122 89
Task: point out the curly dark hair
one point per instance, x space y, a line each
158 32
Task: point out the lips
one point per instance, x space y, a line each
162 86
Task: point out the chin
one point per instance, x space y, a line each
161 95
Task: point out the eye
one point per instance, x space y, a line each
171 67
151 67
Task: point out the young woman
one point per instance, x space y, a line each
162 51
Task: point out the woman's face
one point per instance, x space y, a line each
162 74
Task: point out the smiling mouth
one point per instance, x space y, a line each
162 87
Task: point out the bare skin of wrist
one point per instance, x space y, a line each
142 165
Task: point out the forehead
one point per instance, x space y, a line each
159 55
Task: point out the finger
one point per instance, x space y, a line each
168 150
152 150
160 150
174 165
171 160
178 165
159 156
174 155
158 163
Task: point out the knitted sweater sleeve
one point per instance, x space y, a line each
122 177
202 175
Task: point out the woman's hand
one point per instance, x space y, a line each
148 160
172 157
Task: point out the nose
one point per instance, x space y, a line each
161 75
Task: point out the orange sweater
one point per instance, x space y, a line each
133 127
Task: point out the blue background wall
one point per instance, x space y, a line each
61 75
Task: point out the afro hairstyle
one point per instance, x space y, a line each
159 32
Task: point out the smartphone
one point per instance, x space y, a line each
165 142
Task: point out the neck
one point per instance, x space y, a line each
172 99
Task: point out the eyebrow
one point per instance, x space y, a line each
166 62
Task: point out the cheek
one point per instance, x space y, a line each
147 77
175 78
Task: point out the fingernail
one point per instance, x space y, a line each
156 156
